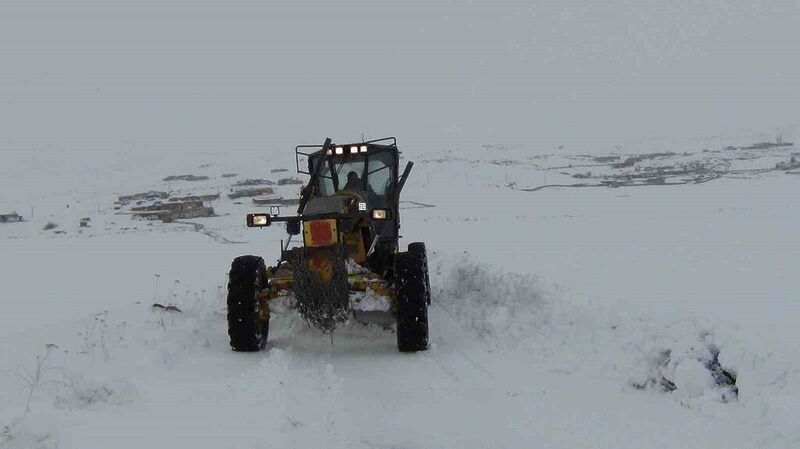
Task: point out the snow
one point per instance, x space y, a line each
560 318
370 301
692 379
564 317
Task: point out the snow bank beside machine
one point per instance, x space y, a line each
711 366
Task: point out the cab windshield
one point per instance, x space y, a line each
348 173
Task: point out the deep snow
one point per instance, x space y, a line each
562 317
557 314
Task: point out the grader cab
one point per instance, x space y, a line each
349 265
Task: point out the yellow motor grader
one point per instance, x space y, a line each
350 264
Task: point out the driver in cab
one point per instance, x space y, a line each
353 184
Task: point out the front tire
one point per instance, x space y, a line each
413 296
247 330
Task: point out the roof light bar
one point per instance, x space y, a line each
354 149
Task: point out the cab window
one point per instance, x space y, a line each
380 174
379 178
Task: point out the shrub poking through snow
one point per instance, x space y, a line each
688 365
31 432
78 392
36 378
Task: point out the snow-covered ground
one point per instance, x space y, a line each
561 318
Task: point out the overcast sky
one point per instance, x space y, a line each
247 74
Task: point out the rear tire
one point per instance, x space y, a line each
247 277
418 248
413 295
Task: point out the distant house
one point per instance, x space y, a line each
169 212
10 218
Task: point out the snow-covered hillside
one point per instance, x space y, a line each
569 317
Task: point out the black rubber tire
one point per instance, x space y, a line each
412 302
248 275
418 248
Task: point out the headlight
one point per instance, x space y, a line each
380 214
339 150
362 206
257 220
363 148
353 150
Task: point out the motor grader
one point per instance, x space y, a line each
350 264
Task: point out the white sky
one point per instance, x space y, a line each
252 74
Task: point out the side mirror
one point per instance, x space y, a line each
293 227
